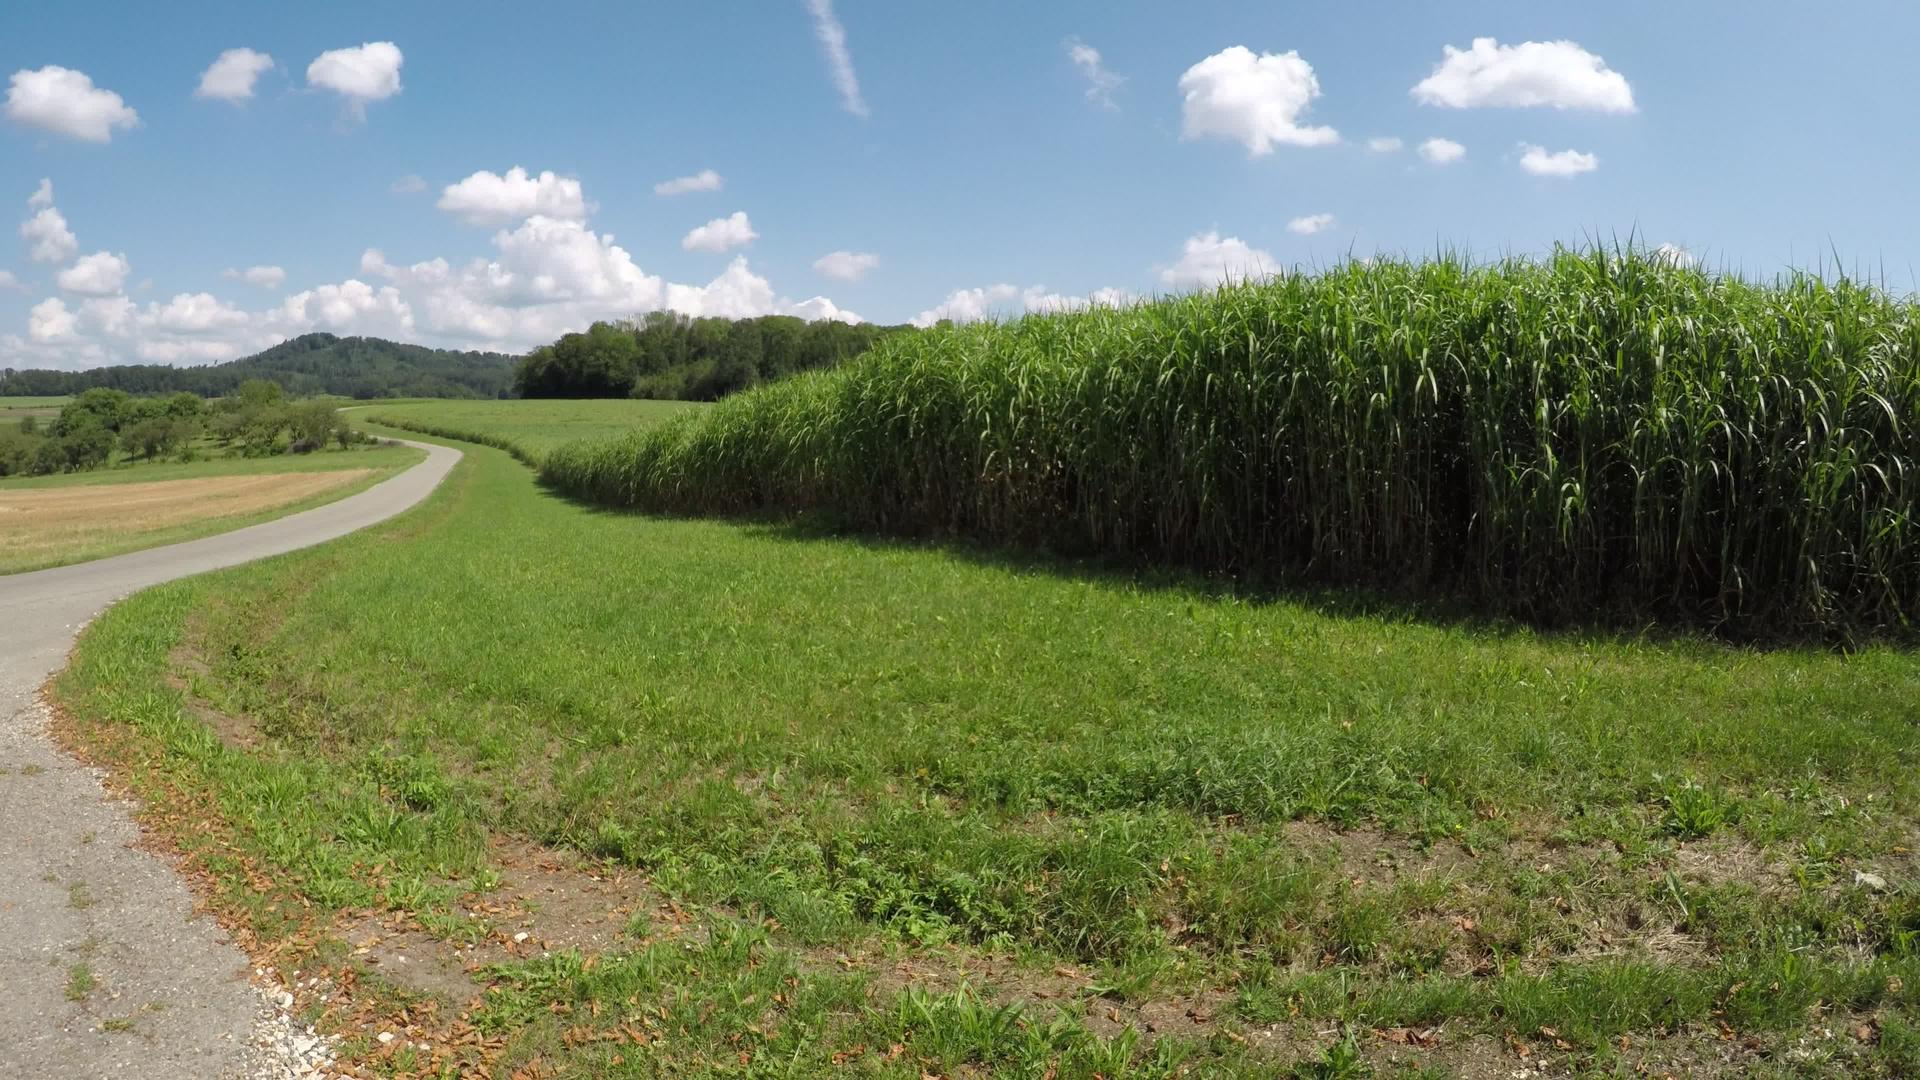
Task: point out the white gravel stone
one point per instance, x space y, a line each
285 1048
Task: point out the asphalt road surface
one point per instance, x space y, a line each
75 893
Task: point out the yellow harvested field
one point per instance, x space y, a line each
37 522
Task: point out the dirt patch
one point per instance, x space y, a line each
35 522
547 901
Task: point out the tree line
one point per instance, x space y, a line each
672 356
310 365
256 420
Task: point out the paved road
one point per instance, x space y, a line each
73 889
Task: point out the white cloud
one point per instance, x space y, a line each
1101 83
1532 73
231 77
66 102
49 320
846 265
1256 100
487 198
967 305
9 282
545 276
99 274
267 277
1038 300
408 185
833 42
362 74
973 305
717 235
704 180
189 313
1536 160
816 308
1440 151
1209 259
353 306
1310 224
45 231
1674 255
49 239
1384 144
112 314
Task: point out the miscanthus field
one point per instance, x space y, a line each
1193 690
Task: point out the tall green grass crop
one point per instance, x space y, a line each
1593 433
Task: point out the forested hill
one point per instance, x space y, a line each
356 367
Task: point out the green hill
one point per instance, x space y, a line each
356 367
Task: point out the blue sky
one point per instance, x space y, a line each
972 166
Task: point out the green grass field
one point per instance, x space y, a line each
117 529
32 404
531 428
15 409
901 809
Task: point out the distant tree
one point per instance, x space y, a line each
184 405
87 444
260 393
667 355
107 408
152 437
311 424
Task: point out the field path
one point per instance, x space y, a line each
79 899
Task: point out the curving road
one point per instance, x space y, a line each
75 890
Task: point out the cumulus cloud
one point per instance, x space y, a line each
1533 73
1440 151
973 305
267 277
1038 300
1101 83
718 235
543 277
232 75
833 43
1536 160
49 320
846 265
362 74
1255 100
967 305
1310 224
9 282
1384 144
1674 255
486 198
704 180
193 313
66 102
408 185
45 230
1210 259
99 274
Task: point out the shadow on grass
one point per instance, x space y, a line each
1387 600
